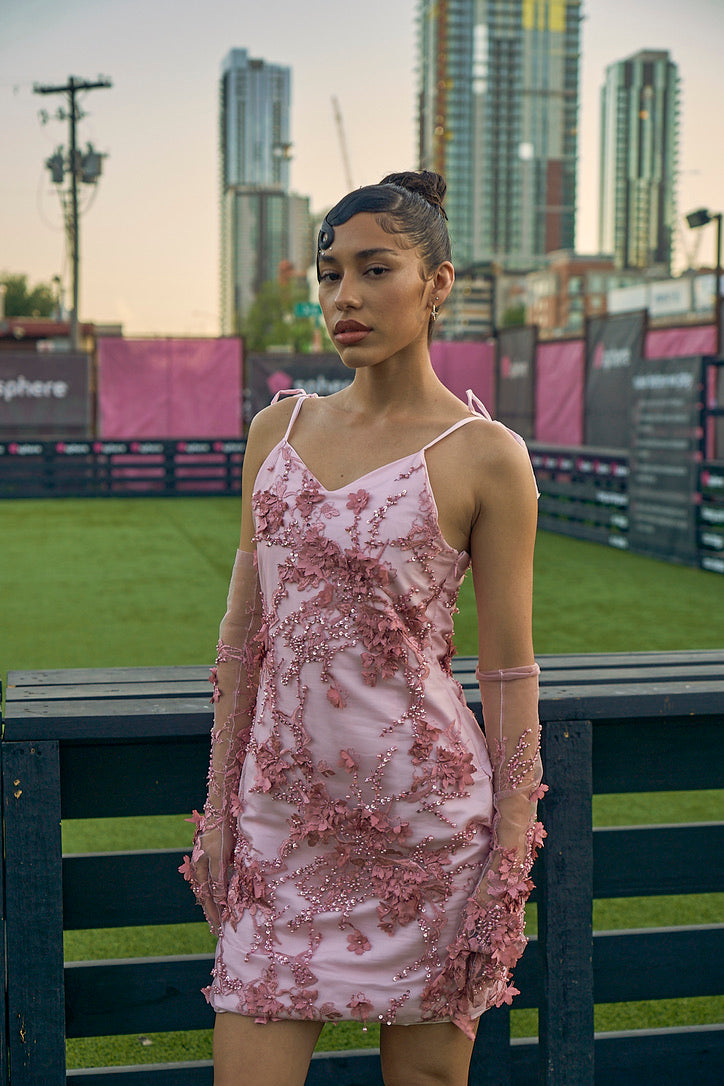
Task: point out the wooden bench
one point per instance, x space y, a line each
134 741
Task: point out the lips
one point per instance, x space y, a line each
347 333
349 326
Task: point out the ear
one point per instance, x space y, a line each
442 281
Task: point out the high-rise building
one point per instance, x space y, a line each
262 223
255 107
638 164
498 118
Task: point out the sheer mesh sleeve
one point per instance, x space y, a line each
235 678
491 938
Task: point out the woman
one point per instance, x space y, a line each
363 853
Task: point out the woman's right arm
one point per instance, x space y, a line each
235 679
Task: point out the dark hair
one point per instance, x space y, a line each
404 203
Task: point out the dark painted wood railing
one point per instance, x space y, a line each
102 743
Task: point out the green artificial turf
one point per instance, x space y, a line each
114 582
132 582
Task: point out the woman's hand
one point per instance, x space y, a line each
206 870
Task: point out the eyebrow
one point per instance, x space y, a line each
363 254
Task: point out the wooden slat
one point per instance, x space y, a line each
94 676
198 1073
199 687
661 1057
564 677
632 701
676 754
107 780
632 659
110 691
658 963
137 995
114 719
642 861
160 894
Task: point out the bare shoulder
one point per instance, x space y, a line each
266 430
501 468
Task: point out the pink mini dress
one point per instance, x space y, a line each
365 796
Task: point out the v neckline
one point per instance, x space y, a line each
359 479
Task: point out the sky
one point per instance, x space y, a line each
149 237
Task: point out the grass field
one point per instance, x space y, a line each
125 582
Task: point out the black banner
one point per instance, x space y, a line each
267 374
667 397
44 395
515 396
613 346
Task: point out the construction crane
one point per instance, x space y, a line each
342 143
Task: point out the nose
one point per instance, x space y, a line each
346 296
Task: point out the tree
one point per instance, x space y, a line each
513 317
21 301
271 320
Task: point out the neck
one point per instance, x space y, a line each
391 386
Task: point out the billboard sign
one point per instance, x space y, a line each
44 395
613 346
666 448
515 399
267 374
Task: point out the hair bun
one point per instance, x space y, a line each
430 186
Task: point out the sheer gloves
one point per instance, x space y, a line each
495 923
235 679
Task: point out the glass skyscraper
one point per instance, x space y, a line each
638 164
254 115
260 218
498 118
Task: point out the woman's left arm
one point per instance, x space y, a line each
502 542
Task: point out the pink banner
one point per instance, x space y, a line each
168 388
680 342
461 366
560 374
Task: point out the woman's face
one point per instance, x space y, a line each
374 300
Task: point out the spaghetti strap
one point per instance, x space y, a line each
474 404
301 397
450 430
477 410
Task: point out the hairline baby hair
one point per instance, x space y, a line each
410 204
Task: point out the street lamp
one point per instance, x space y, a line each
701 218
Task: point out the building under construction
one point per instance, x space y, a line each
498 104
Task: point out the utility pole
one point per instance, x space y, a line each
71 89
